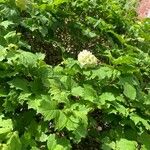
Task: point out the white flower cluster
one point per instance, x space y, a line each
87 59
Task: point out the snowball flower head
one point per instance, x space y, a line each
87 59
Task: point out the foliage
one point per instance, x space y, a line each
48 100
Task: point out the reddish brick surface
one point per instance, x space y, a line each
144 9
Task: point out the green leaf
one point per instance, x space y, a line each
61 121
19 83
6 23
76 117
106 97
27 140
49 109
34 148
121 109
72 123
11 37
80 111
58 91
27 59
58 2
3 92
52 142
144 139
103 73
55 143
24 96
43 137
3 41
6 125
89 33
124 144
80 132
118 37
77 91
14 142
107 144
34 103
3 54
129 91
89 93
124 60
137 119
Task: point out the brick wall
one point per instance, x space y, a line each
144 9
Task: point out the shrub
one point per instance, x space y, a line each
50 99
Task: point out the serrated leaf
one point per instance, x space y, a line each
106 97
61 121
102 73
6 23
77 91
34 104
81 112
89 93
137 119
129 91
24 96
78 118
19 83
121 109
80 132
49 109
124 60
55 143
27 59
72 123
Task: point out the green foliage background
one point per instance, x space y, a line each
48 101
